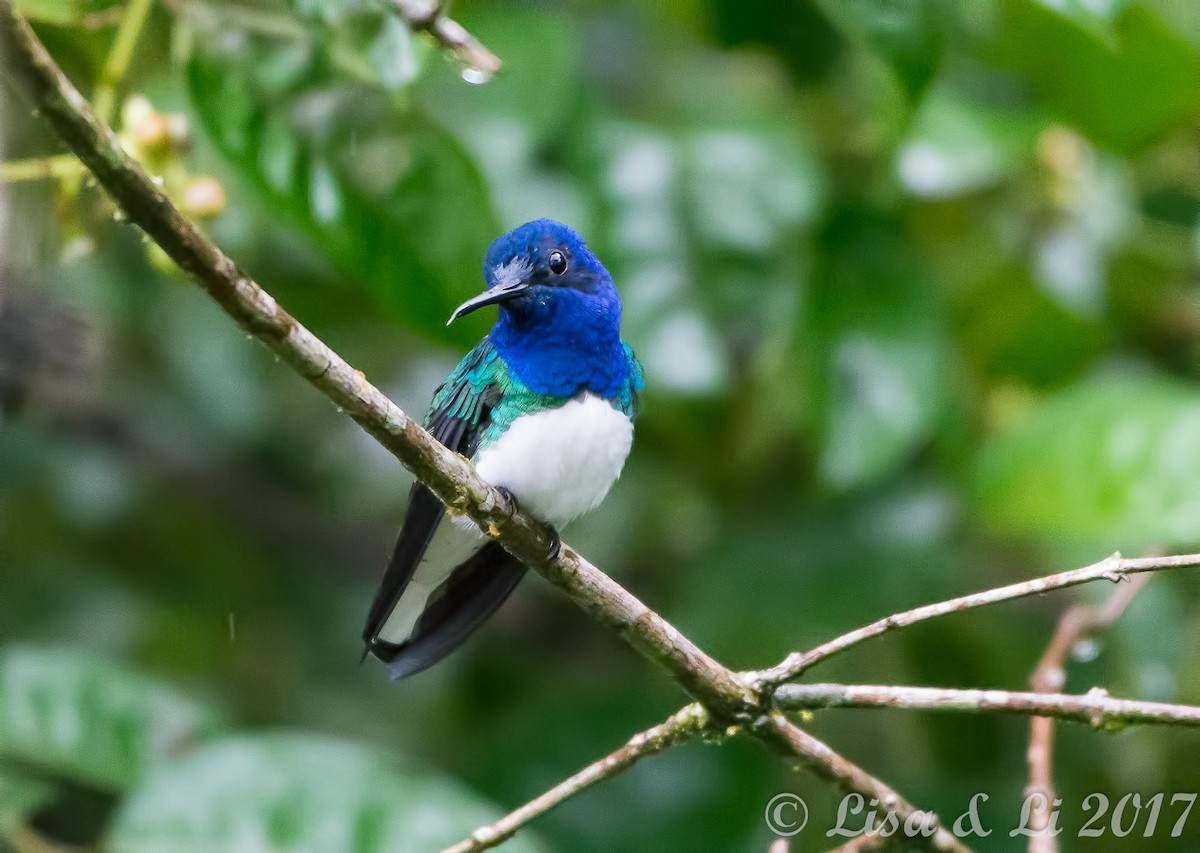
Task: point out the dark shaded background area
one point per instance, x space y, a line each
915 287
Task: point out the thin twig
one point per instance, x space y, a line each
38 168
1095 707
1114 568
426 16
681 727
102 18
119 57
1049 677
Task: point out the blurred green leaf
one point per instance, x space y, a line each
1115 460
1149 649
1096 16
384 192
1012 330
71 713
907 35
1125 91
540 86
297 792
847 234
20 796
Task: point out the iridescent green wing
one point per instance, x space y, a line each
462 407
458 417
628 402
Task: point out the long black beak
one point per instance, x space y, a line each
498 294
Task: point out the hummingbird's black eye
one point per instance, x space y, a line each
558 263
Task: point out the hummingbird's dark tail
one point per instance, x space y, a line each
460 605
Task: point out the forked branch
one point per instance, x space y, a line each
729 701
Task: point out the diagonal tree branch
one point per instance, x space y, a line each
447 474
726 697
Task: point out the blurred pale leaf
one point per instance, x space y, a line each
382 191
708 228
884 362
1115 460
887 390
959 144
1182 18
298 793
71 713
747 190
364 39
1070 257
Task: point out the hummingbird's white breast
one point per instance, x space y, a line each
559 463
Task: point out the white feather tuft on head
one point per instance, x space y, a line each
513 272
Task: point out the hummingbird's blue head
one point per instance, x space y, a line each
559 310
542 273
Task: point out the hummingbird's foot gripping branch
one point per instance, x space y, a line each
514 507
555 545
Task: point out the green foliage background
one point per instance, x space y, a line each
915 286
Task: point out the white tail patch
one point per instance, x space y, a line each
450 546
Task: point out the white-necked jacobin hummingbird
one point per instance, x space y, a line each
543 406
